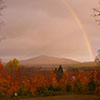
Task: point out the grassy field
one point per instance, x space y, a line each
67 97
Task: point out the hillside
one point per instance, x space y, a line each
82 64
47 60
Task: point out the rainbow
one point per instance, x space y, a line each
77 19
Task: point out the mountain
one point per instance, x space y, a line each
47 60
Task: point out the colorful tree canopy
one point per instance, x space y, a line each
13 64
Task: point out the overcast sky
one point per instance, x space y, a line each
47 27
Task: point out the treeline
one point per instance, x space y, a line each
14 83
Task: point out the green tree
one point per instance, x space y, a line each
92 85
78 86
60 69
55 71
59 73
68 88
13 64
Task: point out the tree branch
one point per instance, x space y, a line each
97 11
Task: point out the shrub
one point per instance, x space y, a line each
6 98
41 90
51 88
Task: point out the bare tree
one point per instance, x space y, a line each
97 59
97 14
2 6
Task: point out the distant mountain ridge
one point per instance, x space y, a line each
47 60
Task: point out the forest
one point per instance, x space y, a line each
18 81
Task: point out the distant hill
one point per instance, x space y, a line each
47 60
82 64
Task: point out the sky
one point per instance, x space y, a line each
47 27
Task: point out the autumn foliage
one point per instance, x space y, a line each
22 82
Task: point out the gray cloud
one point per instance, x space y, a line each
39 27
2 38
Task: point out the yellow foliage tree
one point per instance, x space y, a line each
13 64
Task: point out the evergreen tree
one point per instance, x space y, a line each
68 88
78 86
60 69
60 73
55 71
92 85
